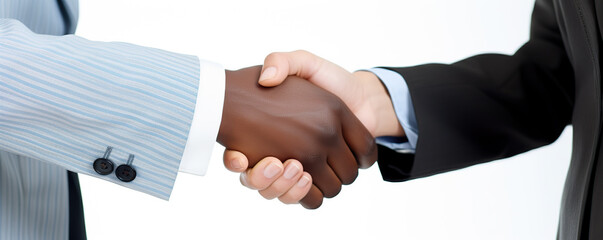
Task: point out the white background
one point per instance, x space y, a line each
516 198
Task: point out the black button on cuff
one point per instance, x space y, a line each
103 166
125 173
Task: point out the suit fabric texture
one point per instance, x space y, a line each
494 106
65 99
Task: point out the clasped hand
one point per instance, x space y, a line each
299 121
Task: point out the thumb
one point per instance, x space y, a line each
279 65
235 161
271 76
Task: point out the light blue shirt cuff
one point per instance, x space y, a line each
400 95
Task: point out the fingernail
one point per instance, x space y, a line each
237 164
271 170
243 179
303 181
268 73
291 171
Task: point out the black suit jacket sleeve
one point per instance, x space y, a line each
488 106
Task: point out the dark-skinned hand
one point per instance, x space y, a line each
296 120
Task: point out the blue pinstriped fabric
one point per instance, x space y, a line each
33 199
64 99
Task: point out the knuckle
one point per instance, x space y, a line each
292 196
368 155
274 58
302 52
278 189
288 199
329 133
254 183
267 195
273 55
251 184
313 162
312 159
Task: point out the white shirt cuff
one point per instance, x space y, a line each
206 119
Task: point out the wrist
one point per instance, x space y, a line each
379 106
221 129
232 97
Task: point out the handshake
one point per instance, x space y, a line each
302 140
